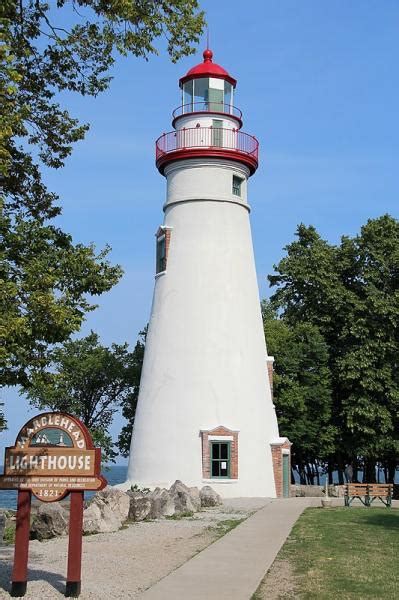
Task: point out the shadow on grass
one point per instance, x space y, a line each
388 520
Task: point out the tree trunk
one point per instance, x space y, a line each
341 468
369 471
330 472
302 475
391 471
355 463
309 474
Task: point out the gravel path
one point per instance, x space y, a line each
125 563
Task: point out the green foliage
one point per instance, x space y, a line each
89 381
350 292
301 386
46 277
129 404
142 490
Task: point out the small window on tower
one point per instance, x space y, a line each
220 459
237 183
161 254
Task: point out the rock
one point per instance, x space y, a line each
310 491
209 497
106 512
317 491
51 520
140 506
184 499
195 496
163 504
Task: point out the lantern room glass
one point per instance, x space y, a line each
207 94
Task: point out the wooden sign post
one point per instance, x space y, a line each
53 456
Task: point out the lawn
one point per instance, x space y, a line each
350 553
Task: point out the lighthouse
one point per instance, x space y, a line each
205 413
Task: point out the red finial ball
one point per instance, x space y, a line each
207 54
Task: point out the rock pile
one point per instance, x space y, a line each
178 500
109 509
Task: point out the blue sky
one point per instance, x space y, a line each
318 86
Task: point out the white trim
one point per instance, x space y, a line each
285 451
220 438
280 441
204 199
216 480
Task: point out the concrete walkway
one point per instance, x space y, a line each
233 567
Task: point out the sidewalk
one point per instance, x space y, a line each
233 567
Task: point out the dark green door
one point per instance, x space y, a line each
286 476
217 133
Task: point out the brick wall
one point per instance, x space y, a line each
277 458
269 363
206 448
166 232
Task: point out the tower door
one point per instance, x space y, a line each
217 132
286 475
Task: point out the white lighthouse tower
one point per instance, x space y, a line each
205 413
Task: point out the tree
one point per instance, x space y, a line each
351 293
46 277
301 390
91 382
129 404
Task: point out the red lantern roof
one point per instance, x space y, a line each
208 69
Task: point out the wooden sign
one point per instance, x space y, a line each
53 456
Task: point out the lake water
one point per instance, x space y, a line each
114 474
117 474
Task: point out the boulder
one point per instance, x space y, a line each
185 500
209 497
195 496
106 512
140 506
163 504
50 520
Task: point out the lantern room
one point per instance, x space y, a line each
207 87
207 124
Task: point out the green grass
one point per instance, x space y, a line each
181 515
9 534
347 552
224 527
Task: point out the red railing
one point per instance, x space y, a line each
213 107
215 138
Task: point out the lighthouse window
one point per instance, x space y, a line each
161 254
237 183
220 459
200 94
188 96
228 96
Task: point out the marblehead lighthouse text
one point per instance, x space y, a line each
205 412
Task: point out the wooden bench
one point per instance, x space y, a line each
368 492
381 491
